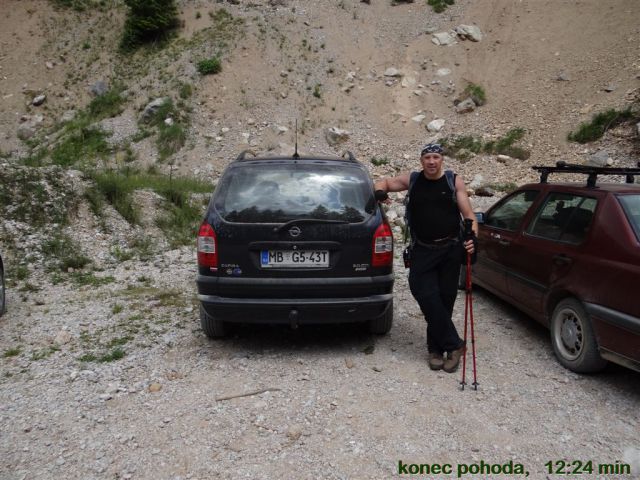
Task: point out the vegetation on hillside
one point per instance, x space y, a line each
149 21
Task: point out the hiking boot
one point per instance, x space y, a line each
436 361
453 360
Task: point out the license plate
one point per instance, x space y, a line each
294 258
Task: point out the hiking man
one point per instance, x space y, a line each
437 199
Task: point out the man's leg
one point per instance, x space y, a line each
448 272
425 286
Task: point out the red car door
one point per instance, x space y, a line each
549 253
501 225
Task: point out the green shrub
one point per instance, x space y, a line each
65 251
209 66
503 146
148 21
171 138
85 144
599 124
379 161
107 105
476 93
440 6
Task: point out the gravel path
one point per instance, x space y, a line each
336 403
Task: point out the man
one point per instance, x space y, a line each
436 255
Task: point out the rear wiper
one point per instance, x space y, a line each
279 228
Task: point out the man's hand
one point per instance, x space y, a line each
470 245
382 196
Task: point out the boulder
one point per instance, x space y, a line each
392 72
466 106
152 107
99 88
443 38
335 136
600 159
469 32
435 125
39 100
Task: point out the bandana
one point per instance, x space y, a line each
432 148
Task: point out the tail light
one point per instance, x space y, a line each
382 254
207 248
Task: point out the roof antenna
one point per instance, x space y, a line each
295 153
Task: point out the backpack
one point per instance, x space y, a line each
413 177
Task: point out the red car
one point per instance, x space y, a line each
568 254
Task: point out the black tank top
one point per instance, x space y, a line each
433 213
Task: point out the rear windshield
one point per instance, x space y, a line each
631 206
277 193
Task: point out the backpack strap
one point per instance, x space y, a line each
451 181
413 177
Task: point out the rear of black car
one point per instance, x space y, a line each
296 241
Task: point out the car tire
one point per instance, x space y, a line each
382 324
2 293
573 339
212 326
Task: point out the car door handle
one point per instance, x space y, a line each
562 259
504 243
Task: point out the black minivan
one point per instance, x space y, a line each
295 240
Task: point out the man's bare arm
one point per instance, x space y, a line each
464 204
393 184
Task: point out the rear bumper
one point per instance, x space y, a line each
299 301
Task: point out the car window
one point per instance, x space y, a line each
564 217
509 214
275 193
631 207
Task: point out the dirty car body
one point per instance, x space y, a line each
296 241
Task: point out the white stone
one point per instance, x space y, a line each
436 125
392 72
408 82
443 38
418 118
469 32
443 72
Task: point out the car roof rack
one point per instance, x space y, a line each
349 156
592 172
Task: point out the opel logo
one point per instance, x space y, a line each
295 231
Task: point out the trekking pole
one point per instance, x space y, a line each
468 313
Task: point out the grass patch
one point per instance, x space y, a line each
88 278
86 143
115 354
599 124
181 218
379 161
44 353
476 93
12 352
107 105
209 66
171 138
461 145
65 252
439 6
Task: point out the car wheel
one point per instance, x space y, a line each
2 292
213 327
574 342
382 324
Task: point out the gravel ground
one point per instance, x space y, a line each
336 403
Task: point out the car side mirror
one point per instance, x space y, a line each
479 217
